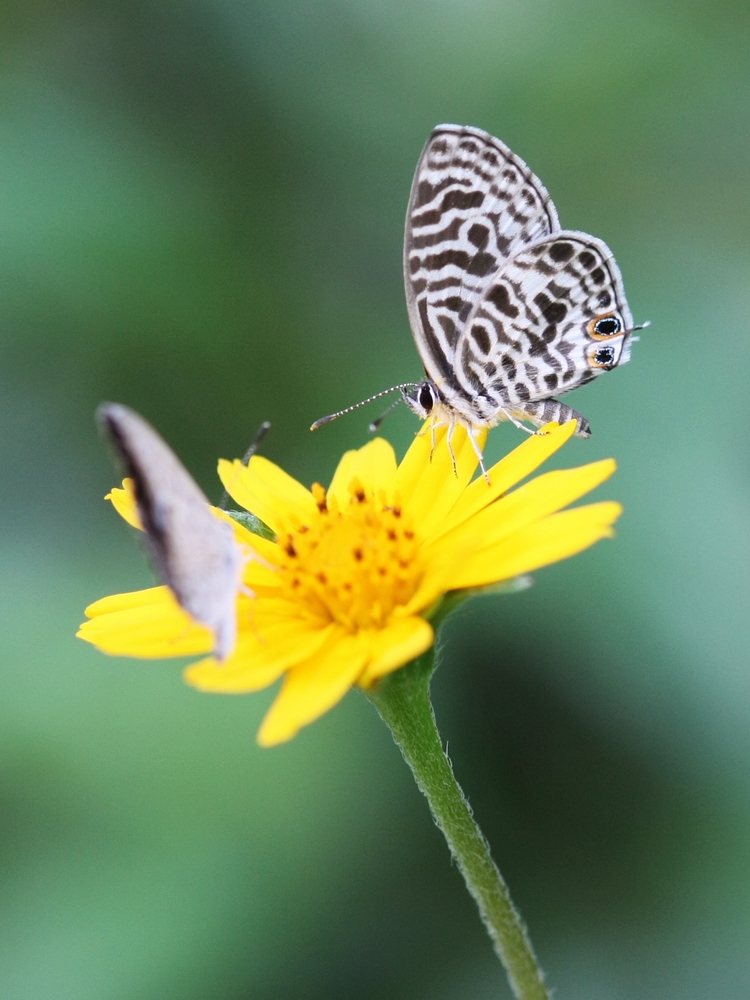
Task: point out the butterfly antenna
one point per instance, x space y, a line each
264 428
349 409
376 423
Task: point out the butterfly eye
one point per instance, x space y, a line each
605 357
605 326
425 397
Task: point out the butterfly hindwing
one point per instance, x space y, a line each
554 317
473 205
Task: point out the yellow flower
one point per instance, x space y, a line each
343 594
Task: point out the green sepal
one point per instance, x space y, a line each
444 606
514 586
252 523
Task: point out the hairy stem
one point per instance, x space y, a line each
403 701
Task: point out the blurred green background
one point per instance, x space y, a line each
201 215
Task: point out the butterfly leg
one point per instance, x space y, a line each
449 442
247 555
434 425
478 453
543 412
509 416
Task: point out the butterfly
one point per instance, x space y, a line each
194 553
507 309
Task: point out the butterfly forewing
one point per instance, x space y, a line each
193 551
473 204
553 317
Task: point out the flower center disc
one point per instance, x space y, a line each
353 566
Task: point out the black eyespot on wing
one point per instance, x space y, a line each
607 327
560 251
605 356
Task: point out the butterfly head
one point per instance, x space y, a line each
422 398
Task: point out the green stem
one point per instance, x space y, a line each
403 701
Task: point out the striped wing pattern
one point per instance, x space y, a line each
473 204
531 335
507 309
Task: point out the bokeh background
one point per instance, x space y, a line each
201 215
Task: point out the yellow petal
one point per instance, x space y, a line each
400 642
521 462
311 688
123 500
148 624
133 599
414 463
374 466
339 488
537 499
268 492
548 541
426 483
261 555
436 582
447 558
432 509
260 657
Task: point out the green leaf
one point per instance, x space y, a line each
252 523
